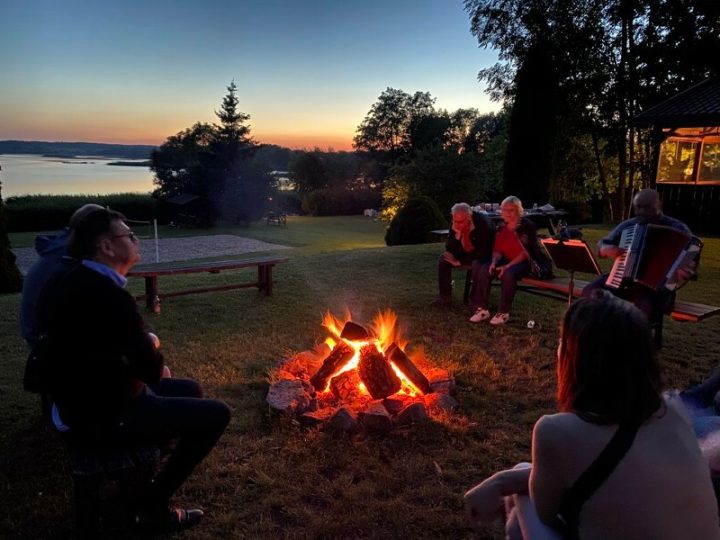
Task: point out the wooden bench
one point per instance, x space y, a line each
151 273
559 288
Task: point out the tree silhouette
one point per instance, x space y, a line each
214 162
531 144
10 278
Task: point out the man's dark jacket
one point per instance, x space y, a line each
482 238
100 353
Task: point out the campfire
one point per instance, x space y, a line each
361 377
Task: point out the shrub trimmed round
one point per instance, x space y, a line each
414 221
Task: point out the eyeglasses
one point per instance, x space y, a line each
130 235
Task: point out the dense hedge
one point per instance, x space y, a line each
52 212
340 201
414 221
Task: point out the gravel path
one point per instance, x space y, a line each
177 249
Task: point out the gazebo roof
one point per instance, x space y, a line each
698 106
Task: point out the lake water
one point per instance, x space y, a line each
33 175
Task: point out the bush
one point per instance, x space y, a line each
414 221
52 212
340 201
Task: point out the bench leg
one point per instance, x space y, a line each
152 300
265 278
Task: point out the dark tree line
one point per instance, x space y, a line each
10 278
420 151
604 61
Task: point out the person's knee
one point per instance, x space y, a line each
218 414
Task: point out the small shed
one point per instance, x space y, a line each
688 167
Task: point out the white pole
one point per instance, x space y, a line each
157 243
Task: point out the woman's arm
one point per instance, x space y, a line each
522 256
547 481
485 501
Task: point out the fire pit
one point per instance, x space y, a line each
361 377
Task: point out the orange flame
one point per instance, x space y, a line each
385 332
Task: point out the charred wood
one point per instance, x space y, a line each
354 332
377 374
402 361
337 358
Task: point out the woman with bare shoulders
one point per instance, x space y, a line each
617 461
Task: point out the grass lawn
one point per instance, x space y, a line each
270 479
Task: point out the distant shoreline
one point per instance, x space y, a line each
130 163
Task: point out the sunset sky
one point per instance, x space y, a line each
307 71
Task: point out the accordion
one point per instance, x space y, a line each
654 255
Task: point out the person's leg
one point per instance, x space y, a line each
654 304
197 424
530 525
508 282
176 387
445 280
481 284
702 395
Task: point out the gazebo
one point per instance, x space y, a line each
688 167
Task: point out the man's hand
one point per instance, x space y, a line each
500 270
609 251
449 257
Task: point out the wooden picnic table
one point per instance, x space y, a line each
152 296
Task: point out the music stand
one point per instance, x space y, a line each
572 256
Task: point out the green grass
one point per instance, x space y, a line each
270 479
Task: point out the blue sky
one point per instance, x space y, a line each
307 71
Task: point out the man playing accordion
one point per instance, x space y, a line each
654 302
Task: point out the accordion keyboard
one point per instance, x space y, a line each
617 274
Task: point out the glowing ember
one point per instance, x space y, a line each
384 335
360 380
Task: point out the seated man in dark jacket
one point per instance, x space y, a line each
52 260
102 359
470 239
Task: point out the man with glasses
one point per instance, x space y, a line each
103 360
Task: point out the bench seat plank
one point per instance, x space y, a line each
151 273
557 287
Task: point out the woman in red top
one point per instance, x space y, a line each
509 262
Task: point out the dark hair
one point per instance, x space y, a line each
606 363
84 237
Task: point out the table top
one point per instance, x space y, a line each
496 217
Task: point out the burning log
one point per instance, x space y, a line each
377 374
402 361
354 332
346 386
337 358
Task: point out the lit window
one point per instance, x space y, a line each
677 158
710 162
